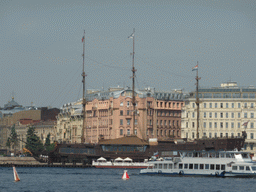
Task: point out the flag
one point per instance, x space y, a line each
195 68
245 123
82 39
131 36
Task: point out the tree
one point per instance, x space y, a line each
48 146
12 141
34 144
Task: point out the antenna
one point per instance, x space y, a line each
197 102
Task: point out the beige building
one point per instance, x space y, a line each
109 115
42 129
224 112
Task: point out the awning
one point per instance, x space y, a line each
101 159
127 159
118 159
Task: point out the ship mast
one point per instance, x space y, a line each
133 82
197 103
83 101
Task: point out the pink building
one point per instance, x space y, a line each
109 114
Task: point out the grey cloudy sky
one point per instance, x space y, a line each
41 48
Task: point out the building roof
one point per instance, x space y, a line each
126 140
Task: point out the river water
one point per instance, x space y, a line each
92 179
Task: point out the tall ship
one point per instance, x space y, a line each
132 146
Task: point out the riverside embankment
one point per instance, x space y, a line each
31 162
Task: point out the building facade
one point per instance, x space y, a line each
109 116
225 111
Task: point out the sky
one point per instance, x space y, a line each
41 48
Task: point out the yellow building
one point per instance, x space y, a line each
224 112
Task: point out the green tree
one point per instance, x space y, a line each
48 146
34 144
12 140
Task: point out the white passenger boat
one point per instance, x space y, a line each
206 163
120 163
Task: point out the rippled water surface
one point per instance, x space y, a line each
92 179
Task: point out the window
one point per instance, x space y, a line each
226 134
195 166
210 105
128 121
232 115
216 105
245 115
206 166
232 125
251 135
252 125
210 135
128 131
121 112
221 115
193 105
251 146
251 105
210 115
185 166
221 105
239 105
221 124
121 131
204 114
226 124
238 115
234 167
121 104
121 121
245 105
193 124
215 124
233 105
226 115
180 166
204 105
170 166
204 124
252 115
210 124
190 166
193 135
136 122
226 105
128 103
193 114
217 166
215 135
128 112
212 166
238 125
216 115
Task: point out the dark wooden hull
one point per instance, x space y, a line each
85 153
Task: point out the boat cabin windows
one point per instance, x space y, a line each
234 167
201 166
185 166
218 167
195 166
190 166
160 166
247 168
170 166
253 168
165 166
123 148
212 166
206 166
155 166
241 167
180 166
